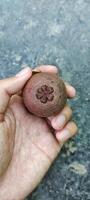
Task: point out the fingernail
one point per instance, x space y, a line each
58 122
63 135
23 72
36 70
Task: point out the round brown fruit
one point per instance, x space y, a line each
44 94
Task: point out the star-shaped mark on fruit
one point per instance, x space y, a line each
45 93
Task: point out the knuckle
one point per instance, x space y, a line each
68 110
74 127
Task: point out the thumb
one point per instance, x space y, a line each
11 86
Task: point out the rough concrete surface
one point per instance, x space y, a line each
55 32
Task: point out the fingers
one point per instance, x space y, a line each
11 86
59 121
64 128
71 92
69 131
47 68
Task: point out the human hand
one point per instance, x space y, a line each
28 144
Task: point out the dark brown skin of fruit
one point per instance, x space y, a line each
44 94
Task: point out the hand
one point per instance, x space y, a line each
27 145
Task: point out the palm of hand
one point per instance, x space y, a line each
34 148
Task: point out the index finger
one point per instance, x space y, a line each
47 68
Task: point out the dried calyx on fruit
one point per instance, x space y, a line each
44 94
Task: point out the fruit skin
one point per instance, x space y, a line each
50 106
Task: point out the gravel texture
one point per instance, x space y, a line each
36 32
